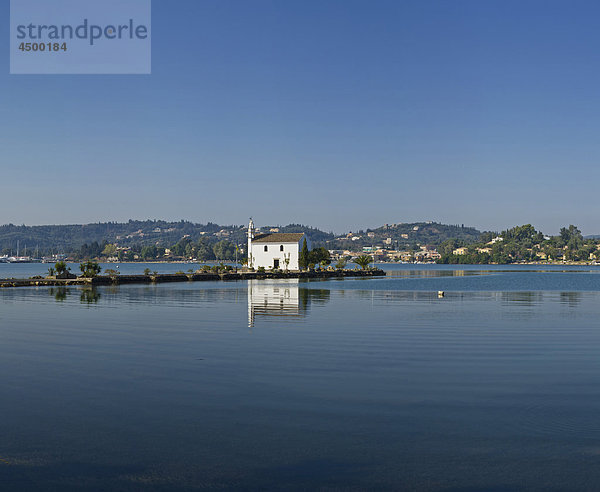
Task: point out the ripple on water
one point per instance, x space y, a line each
559 419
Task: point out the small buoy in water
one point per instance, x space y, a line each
441 293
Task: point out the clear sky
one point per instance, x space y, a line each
335 113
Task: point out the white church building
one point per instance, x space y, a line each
275 250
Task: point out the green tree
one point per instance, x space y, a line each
204 250
124 255
179 249
486 237
448 246
319 256
363 261
341 263
572 232
149 252
224 250
90 269
109 250
303 260
61 268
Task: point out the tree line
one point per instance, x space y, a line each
202 250
521 244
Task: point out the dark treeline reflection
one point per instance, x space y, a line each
89 296
526 298
571 298
60 293
316 296
282 299
180 295
86 296
271 298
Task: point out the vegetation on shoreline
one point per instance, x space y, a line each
160 241
149 240
521 244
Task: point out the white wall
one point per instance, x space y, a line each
265 259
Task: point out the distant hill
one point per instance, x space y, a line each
69 238
597 236
316 236
405 235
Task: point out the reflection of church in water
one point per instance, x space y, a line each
281 300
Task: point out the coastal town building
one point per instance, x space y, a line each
275 250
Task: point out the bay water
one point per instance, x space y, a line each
355 384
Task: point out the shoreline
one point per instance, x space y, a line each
192 277
232 262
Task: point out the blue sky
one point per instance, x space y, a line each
340 114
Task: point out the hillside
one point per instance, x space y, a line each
50 239
406 235
69 238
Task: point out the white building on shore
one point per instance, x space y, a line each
275 250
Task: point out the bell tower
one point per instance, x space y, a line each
250 238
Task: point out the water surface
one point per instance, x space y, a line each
366 384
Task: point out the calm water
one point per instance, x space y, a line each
367 384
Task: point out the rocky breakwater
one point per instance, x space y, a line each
186 277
